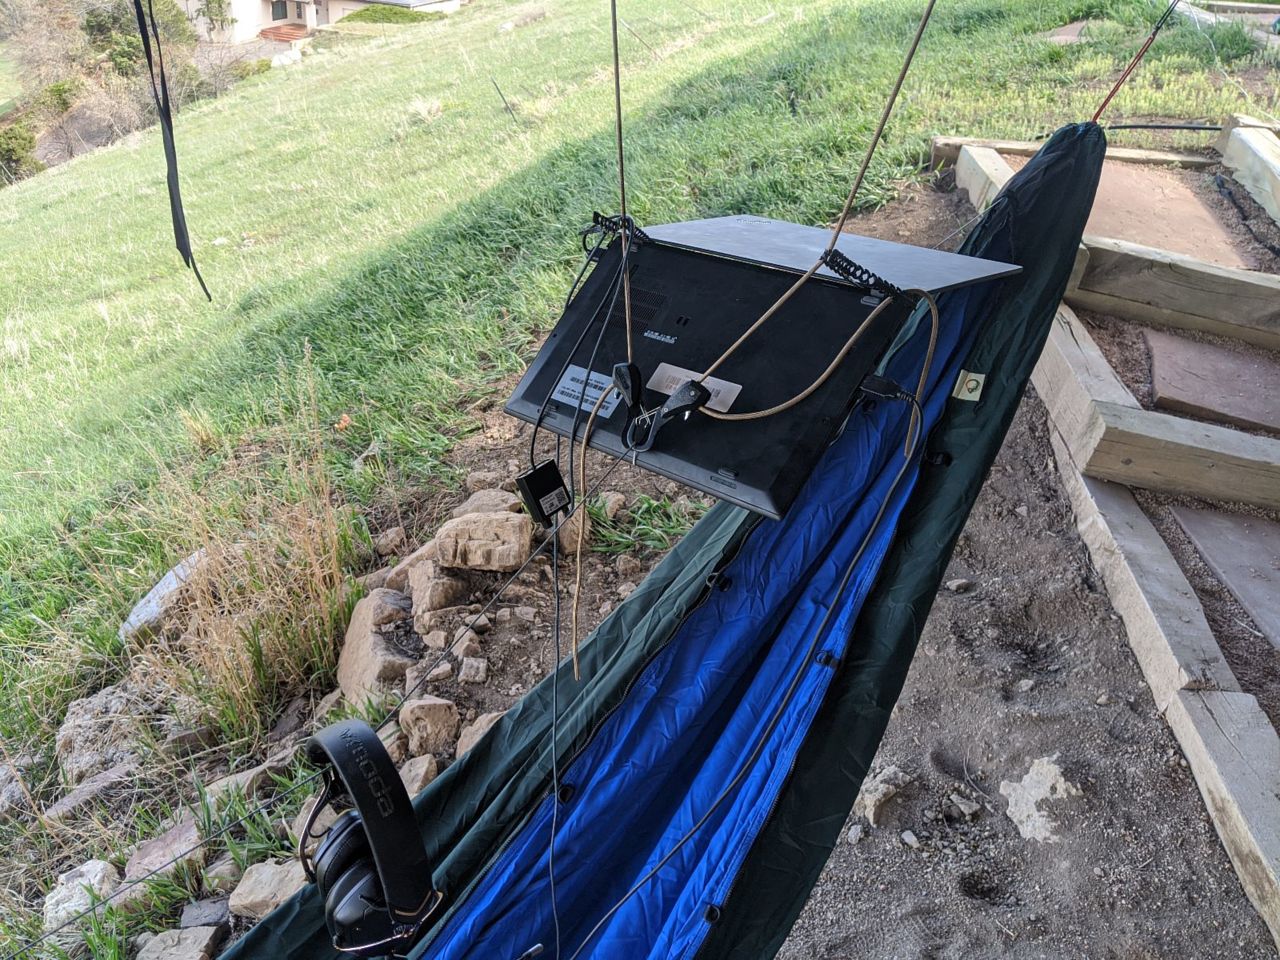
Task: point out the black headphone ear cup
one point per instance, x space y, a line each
343 845
356 909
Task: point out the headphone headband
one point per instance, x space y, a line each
372 782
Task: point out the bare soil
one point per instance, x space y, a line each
1030 663
1183 211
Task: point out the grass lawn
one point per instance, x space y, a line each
10 88
378 206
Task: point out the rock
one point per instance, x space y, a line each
473 670
149 615
966 806
398 578
101 731
433 591
388 606
613 503
500 542
910 839
419 772
1044 781
467 649
440 620
324 820
877 791
223 875
372 581
13 794
329 704
625 590
251 782
960 585
390 542
480 623
396 741
1025 685
489 501
473 732
75 892
95 790
569 528
1103 699
435 640
178 848
369 664
479 480
527 614
265 886
628 567
213 912
184 741
292 719
465 634
424 672
854 834
191 943
431 723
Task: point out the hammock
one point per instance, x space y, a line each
714 746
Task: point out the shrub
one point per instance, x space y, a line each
244 69
378 13
18 152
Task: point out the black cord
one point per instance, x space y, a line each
555 737
1221 183
582 335
776 718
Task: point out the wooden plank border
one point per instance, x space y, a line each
946 150
1253 153
1230 745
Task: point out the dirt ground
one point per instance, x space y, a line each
1030 663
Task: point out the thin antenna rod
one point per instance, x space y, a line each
622 177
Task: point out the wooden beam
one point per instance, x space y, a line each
1234 754
1155 286
946 150
981 173
1231 6
1237 120
1163 620
1253 154
1163 452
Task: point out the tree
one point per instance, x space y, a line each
17 152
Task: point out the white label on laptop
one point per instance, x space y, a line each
569 390
668 378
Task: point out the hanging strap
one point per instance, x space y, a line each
160 91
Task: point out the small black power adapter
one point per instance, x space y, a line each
543 491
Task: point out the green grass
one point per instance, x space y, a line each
383 14
10 86
378 205
418 250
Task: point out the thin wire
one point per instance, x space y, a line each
265 805
908 455
774 720
849 200
555 738
129 884
622 177
1137 58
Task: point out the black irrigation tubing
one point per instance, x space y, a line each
267 804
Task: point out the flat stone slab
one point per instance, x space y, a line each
1068 33
1244 553
1212 382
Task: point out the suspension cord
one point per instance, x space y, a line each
1137 58
622 179
845 212
912 444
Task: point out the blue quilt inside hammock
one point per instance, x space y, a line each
700 708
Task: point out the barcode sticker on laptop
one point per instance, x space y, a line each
668 379
570 390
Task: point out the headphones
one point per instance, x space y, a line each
371 866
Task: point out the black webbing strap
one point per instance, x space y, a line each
160 90
379 796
